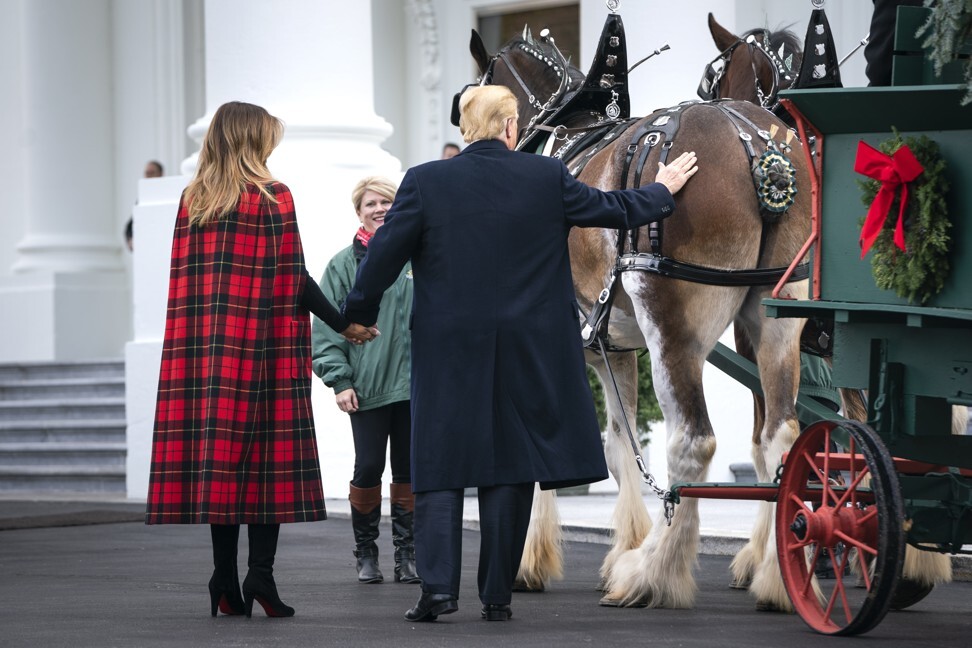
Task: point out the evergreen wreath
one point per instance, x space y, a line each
919 273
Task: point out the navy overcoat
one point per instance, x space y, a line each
499 389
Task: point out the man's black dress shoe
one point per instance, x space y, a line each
430 606
497 612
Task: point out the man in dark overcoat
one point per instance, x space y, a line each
500 398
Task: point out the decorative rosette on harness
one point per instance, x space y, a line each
775 180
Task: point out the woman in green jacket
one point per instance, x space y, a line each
372 385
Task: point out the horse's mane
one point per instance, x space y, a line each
791 42
574 75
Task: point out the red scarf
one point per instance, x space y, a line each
364 236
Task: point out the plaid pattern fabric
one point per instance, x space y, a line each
234 435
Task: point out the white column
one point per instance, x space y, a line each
308 62
66 298
68 111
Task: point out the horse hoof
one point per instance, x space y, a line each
601 586
523 586
908 593
740 583
612 602
768 606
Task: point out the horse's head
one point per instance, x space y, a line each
533 69
752 67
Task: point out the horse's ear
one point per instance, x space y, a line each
478 51
722 37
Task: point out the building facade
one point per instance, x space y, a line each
95 88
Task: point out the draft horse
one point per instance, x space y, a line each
719 229
754 67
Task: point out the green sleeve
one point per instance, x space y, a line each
330 351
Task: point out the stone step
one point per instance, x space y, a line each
63 409
53 370
66 479
69 455
66 431
62 388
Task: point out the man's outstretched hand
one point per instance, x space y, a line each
676 173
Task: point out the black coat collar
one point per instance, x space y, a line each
484 145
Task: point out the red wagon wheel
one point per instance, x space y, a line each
846 507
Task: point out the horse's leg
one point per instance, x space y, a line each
744 564
659 572
630 521
543 557
777 346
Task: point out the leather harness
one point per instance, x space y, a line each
659 129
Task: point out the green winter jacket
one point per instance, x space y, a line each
378 370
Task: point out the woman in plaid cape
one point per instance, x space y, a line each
234 433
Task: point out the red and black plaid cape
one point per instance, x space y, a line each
234 434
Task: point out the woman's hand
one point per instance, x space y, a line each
347 401
357 334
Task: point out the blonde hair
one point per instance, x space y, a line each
483 112
380 185
234 154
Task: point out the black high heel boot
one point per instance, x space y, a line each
259 583
402 512
224 586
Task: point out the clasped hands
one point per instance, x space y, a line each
358 334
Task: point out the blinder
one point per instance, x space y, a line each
454 117
708 89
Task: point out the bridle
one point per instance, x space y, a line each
545 110
783 76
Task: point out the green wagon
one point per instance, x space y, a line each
859 494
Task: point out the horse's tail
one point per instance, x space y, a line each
853 404
960 419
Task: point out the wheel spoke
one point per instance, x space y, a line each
860 545
811 461
808 583
825 477
851 491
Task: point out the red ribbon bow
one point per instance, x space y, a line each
892 171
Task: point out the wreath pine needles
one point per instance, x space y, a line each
919 273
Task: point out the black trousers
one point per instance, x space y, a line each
373 430
880 43
504 516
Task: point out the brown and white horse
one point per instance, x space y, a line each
746 73
718 224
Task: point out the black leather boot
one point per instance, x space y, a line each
224 586
365 516
259 583
402 508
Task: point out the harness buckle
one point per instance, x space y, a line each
604 296
586 332
560 132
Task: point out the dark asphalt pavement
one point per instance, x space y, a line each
126 584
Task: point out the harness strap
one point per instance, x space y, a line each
599 146
667 267
561 132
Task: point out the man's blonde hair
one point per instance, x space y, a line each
381 186
483 112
